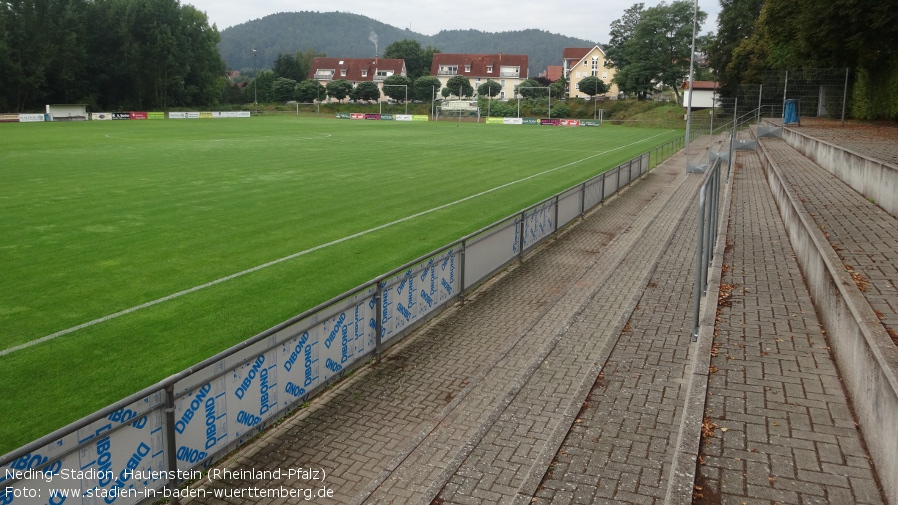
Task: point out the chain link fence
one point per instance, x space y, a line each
817 93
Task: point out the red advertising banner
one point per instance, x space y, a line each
138 115
550 122
372 116
570 122
356 115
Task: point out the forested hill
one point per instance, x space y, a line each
342 34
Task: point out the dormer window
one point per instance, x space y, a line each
342 72
364 73
467 68
489 69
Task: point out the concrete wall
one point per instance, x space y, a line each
866 356
871 178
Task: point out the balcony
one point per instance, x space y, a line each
324 75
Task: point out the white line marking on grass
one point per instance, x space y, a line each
194 289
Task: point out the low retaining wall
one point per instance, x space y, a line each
866 356
871 178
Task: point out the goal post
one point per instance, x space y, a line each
457 109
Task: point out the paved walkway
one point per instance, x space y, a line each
779 427
565 380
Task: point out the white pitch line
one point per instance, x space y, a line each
194 289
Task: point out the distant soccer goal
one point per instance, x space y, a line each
458 109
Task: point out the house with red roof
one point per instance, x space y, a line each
509 70
582 62
356 70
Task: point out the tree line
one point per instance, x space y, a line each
108 54
757 36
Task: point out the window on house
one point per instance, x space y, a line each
489 69
467 68
342 72
364 73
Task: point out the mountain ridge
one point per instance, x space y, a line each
348 35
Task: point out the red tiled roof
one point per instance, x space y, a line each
479 63
702 85
354 67
575 53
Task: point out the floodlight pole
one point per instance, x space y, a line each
255 80
691 82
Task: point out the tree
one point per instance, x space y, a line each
557 89
530 88
366 90
339 89
490 88
460 86
592 86
283 89
305 61
621 31
426 87
417 60
287 66
310 91
659 49
397 87
263 86
735 23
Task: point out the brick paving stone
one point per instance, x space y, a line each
788 452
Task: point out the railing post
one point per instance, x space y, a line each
583 199
521 238
171 445
697 289
555 224
378 326
706 249
461 271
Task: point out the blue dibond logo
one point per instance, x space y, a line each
250 376
207 403
125 475
409 283
303 349
448 262
385 306
297 351
335 331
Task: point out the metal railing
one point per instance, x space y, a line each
708 212
172 430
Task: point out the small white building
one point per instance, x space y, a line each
705 96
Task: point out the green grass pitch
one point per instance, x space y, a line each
100 218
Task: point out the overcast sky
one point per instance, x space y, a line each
585 20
